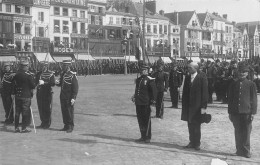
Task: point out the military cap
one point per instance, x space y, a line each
24 62
243 67
7 64
160 62
66 61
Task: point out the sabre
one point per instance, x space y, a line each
11 107
33 120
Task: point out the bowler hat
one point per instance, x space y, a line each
24 62
205 118
243 67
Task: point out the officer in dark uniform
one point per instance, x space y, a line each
23 86
145 95
162 83
69 90
7 86
242 106
175 82
45 80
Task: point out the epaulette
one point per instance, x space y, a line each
150 78
73 72
29 73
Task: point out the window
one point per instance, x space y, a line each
18 45
41 31
148 28
74 13
74 27
82 14
100 10
56 41
75 43
65 12
118 21
18 9
27 29
110 20
155 29
118 33
82 28
123 21
89 19
65 41
27 46
92 19
83 43
7 27
160 29
1 29
1 7
27 10
56 11
18 27
97 20
56 26
65 27
41 16
8 8
165 29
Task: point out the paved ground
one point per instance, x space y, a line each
105 129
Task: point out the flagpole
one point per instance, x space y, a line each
143 48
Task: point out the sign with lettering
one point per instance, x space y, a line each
6 17
19 37
19 2
79 35
6 35
22 19
45 3
76 19
70 2
62 50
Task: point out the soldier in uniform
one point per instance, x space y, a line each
175 82
46 80
23 86
69 90
242 106
6 92
145 95
162 83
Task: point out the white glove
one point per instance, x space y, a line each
72 101
41 82
203 110
57 81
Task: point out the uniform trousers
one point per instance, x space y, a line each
174 96
8 106
210 89
67 111
22 106
194 133
143 116
159 105
44 102
243 127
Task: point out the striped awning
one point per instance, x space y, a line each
7 58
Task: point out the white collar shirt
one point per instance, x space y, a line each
193 76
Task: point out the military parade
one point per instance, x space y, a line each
176 87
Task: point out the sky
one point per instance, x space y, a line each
237 10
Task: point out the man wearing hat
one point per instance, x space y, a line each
45 79
145 95
242 106
175 82
24 84
162 83
69 90
7 86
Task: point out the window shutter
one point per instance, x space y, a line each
39 16
42 15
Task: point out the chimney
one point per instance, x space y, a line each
234 23
161 12
127 9
225 16
151 5
177 19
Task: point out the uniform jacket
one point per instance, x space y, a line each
49 81
194 97
175 79
7 84
161 81
242 97
145 90
23 84
69 85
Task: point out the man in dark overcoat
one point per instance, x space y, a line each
242 106
194 103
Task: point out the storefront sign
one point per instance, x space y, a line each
70 2
6 17
78 35
6 35
75 19
22 19
45 3
19 2
62 50
19 37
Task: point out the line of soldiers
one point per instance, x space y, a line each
17 91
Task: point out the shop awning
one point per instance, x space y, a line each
195 59
117 58
7 58
153 59
82 56
130 58
166 59
44 57
101 58
60 59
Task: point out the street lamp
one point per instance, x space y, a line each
124 42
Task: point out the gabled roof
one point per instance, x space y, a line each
237 30
202 17
251 29
184 17
216 17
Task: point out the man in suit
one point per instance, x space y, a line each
145 95
194 103
242 106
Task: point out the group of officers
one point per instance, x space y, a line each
233 85
17 90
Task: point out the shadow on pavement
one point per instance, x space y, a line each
87 114
5 129
124 115
80 141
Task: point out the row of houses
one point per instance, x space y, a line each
113 29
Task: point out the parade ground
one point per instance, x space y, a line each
106 127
